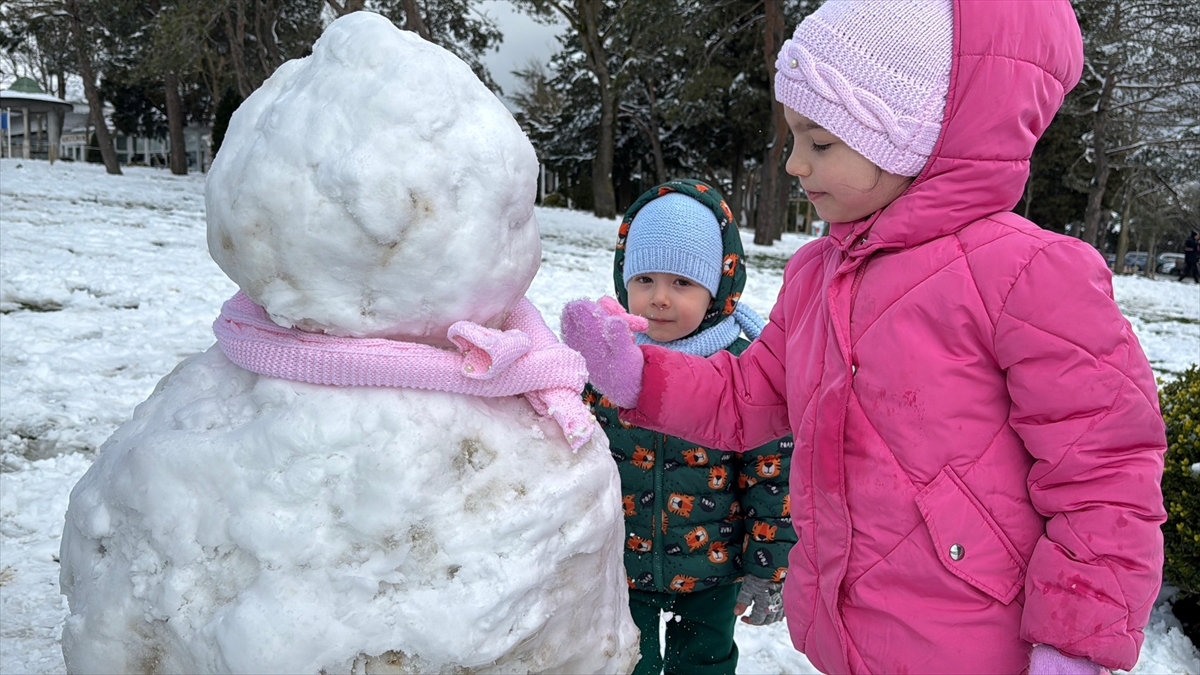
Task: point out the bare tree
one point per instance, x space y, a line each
774 189
1140 86
82 22
84 30
344 8
595 22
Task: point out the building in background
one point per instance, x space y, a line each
32 121
61 129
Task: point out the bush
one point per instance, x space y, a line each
1180 401
554 199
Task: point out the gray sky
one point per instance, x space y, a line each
523 39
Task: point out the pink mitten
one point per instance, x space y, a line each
1047 660
603 333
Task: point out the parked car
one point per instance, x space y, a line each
1135 261
1170 263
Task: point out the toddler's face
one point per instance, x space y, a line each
842 185
673 305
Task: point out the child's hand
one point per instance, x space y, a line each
1047 660
765 596
603 333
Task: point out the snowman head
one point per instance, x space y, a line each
375 189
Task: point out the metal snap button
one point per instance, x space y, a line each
957 552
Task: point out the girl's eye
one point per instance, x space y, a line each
818 147
641 280
683 282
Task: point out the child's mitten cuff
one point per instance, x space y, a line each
1047 660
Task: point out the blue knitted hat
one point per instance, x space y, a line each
678 235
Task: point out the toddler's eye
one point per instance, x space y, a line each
818 147
642 280
684 282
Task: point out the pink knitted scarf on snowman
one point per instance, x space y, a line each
524 357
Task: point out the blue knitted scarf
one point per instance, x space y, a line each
715 338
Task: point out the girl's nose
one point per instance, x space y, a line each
797 165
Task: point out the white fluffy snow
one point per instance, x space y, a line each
375 189
106 284
250 524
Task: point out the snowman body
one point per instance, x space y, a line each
241 522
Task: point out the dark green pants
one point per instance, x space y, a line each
699 635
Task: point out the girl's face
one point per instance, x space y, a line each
673 305
842 185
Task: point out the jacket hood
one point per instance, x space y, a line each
1013 64
733 273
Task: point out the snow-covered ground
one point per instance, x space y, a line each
107 285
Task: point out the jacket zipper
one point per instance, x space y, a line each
854 285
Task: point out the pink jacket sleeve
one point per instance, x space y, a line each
1085 403
724 401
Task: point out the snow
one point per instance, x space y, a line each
263 525
106 285
341 175
245 523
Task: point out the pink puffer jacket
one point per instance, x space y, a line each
978 441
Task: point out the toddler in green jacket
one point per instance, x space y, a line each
698 520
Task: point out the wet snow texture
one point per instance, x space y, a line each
107 285
247 524
375 188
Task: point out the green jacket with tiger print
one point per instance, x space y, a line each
697 517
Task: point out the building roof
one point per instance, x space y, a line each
25 93
27 85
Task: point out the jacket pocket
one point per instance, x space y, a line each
968 541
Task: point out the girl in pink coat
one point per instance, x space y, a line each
975 484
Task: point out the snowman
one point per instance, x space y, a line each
383 465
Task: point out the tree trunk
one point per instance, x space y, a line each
95 104
349 7
660 165
175 126
413 20
737 173
782 212
768 222
1123 237
1028 198
1095 204
237 38
605 201
749 202
265 17
60 114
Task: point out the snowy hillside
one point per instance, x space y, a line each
107 285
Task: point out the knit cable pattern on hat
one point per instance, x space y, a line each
524 357
870 110
874 73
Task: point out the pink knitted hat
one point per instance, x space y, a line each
875 74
